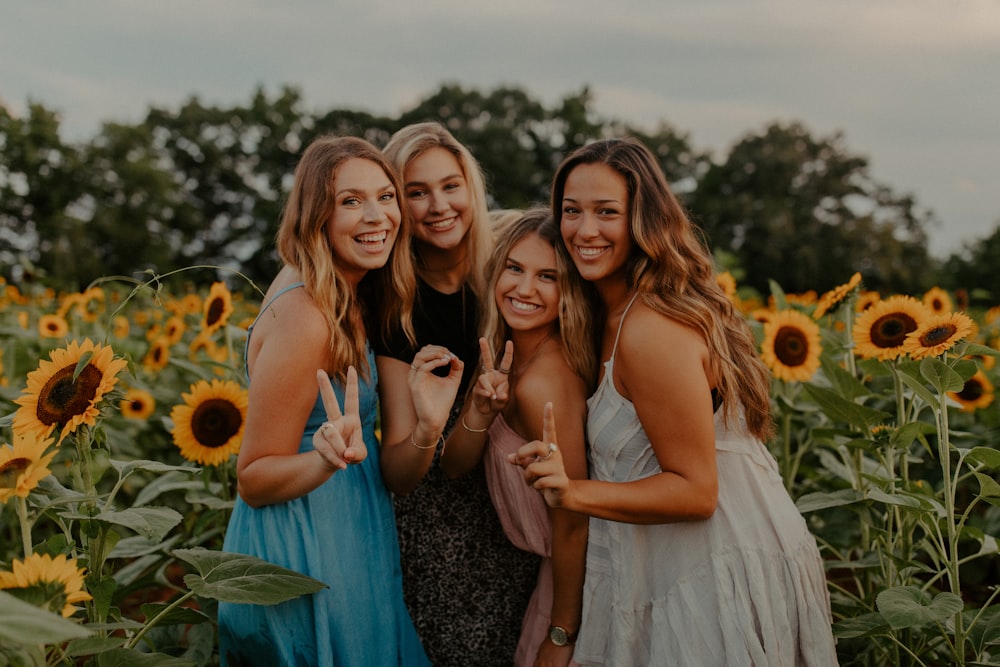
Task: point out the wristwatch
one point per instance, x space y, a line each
560 636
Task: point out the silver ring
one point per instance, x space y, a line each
413 368
552 449
505 371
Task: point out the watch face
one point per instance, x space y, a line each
558 636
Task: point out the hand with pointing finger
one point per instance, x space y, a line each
340 440
542 463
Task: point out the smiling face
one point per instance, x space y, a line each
438 196
595 221
365 218
527 289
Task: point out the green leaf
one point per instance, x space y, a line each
230 577
839 408
176 616
985 456
941 376
843 381
987 630
909 607
93 645
918 388
124 657
863 625
151 522
811 502
894 498
23 623
126 468
988 487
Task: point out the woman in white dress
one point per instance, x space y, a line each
696 553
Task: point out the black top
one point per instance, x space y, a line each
449 320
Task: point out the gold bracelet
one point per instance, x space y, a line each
413 442
473 430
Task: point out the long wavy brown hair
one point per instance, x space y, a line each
385 295
672 270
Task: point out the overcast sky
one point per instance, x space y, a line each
913 85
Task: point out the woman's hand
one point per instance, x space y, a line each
340 440
433 395
492 391
542 463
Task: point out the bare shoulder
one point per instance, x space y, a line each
652 344
550 378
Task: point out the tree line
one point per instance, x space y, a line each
204 185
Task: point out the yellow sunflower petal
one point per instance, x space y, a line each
55 584
880 331
791 346
59 397
208 426
977 393
23 465
937 335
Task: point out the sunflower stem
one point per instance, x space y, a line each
22 515
132 643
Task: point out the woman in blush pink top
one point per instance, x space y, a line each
530 317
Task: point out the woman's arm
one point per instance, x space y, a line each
562 387
415 405
282 394
660 366
489 396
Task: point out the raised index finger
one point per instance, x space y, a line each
328 395
549 424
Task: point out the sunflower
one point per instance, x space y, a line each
866 299
90 304
65 391
880 331
726 281
937 335
23 465
218 307
120 327
191 303
832 299
137 404
55 584
938 301
762 315
158 355
174 329
22 319
208 427
791 346
52 326
977 393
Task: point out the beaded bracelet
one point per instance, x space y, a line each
413 442
473 430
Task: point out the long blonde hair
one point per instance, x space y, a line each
304 244
673 272
409 143
578 343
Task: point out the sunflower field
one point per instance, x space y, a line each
122 410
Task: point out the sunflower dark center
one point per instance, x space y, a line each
61 398
890 330
791 346
137 405
215 421
215 309
158 353
10 470
937 335
972 391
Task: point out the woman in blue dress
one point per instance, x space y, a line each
311 494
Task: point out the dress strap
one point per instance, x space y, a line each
246 346
620 323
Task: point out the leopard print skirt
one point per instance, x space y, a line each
466 586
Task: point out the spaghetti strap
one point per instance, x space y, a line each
620 323
246 345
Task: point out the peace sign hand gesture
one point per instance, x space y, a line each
340 440
542 463
491 393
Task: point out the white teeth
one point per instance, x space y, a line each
372 238
522 306
441 224
589 252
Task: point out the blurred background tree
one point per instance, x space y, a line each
205 185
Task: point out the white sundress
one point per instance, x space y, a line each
744 587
